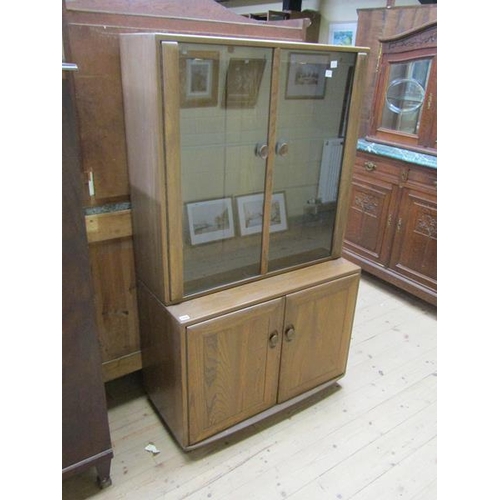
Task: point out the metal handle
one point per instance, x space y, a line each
282 148
69 67
290 333
262 150
273 339
370 166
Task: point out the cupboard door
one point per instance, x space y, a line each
414 252
233 364
311 122
317 333
371 221
222 134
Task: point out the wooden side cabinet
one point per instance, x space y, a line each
392 223
246 353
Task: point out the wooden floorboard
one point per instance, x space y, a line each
372 438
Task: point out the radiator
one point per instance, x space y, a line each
331 160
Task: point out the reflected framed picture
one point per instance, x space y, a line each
306 76
199 79
244 77
342 33
250 213
210 220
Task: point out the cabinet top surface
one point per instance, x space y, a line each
255 42
402 154
256 292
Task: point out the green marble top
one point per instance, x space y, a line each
104 209
398 153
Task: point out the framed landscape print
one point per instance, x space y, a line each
306 76
250 213
342 33
210 220
243 81
199 79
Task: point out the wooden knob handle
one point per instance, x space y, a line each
290 333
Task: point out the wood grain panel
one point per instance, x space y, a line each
415 243
164 365
99 103
372 217
232 368
142 91
85 431
349 154
108 226
174 207
225 301
113 274
321 319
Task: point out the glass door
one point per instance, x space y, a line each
312 110
224 118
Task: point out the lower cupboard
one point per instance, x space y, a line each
215 364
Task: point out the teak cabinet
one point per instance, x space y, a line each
240 160
392 224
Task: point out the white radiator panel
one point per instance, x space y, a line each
331 160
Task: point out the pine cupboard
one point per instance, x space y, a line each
240 161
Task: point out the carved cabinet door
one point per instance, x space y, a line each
233 364
415 242
371 218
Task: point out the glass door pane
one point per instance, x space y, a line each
311 125
404 96
223 128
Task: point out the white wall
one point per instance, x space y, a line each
332 11
255 6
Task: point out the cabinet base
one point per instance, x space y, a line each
392 277
320 392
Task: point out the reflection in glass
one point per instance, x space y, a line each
224 114
405 95
312 110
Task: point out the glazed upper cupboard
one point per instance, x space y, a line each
253 141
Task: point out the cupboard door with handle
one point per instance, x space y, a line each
414 252
311 125
218 137
371 218
317 333
233 363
